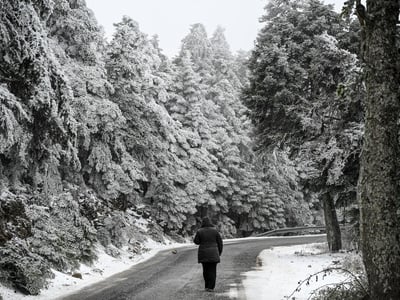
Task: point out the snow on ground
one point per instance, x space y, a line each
283 267
105 266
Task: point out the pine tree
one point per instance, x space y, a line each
199 48
138 72
295 71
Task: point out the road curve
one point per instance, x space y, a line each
169 276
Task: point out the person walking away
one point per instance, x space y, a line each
210 250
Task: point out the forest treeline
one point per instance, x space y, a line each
95 134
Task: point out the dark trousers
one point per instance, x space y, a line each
209 274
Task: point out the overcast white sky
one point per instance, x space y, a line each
171 19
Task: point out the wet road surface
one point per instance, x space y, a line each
170 276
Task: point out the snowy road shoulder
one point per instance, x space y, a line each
280 270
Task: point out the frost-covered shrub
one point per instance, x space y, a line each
19 267
39 232
13 220
111 230
156 232
24 270
61 234
124 228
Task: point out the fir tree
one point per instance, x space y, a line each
295 72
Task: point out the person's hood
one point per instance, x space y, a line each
206 222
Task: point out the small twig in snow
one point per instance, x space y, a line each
307 280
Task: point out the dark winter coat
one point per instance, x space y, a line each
210 244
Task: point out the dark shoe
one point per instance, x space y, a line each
209 290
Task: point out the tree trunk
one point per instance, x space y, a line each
379 175
331 223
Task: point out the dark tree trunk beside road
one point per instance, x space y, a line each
333 234
379 176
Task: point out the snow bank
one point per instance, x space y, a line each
282 268
105 266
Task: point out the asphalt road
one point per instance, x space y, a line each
169 276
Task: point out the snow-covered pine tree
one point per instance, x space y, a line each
296 69
139 72
36 90
199 48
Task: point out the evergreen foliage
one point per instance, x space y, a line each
208 92
304 98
